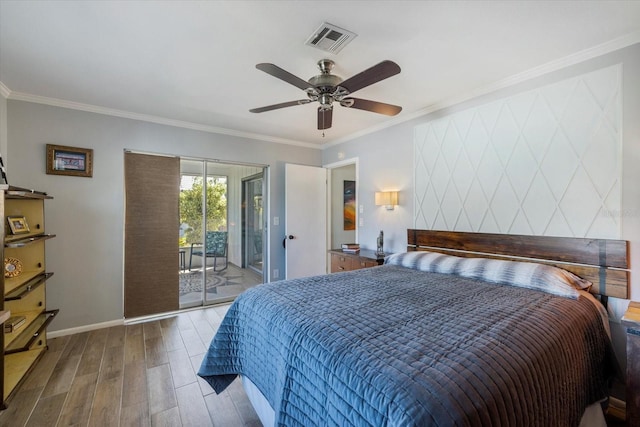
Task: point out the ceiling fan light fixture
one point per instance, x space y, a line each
326 88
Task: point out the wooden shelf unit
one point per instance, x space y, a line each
24 294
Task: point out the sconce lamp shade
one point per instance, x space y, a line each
387 198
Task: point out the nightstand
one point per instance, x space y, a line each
631 320
347 261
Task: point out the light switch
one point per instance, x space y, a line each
276 220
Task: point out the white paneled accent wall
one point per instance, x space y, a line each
543 162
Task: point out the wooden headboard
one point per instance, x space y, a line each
603 262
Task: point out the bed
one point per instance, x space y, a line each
462 329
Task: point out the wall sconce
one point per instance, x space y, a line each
387 199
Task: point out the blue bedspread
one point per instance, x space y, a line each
398 347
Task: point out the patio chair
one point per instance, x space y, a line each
215 247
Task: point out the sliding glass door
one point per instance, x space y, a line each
203 242
216 236
219 256
253 222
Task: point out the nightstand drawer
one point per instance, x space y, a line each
340 263
344 261
363 263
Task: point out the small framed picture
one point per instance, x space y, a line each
18 224
62 160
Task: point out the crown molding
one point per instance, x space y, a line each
576 58
19 96
541 70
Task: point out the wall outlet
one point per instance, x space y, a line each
276 220
276 273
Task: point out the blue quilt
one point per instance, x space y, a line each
392 346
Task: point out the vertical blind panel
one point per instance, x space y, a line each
152 185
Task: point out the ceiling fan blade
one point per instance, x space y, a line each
281 105
372 75
373 106
281 74
324 118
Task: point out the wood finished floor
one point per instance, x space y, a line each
134 375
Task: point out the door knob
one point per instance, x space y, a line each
284 241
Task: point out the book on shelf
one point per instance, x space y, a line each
350 246
14 323
351 250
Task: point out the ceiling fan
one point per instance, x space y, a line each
327 88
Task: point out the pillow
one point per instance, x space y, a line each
541 277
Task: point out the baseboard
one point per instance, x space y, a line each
131 321
84 328
141 319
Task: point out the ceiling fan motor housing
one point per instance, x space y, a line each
325 85
325 80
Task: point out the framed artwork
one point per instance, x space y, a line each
18 224
349 205
62 160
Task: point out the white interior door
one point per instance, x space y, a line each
305 220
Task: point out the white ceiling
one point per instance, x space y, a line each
192 63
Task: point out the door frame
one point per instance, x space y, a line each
245 263
345 162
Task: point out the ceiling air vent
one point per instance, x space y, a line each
330 38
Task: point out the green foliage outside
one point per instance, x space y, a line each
191 209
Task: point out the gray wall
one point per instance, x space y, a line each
386 161
386 158
87 214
